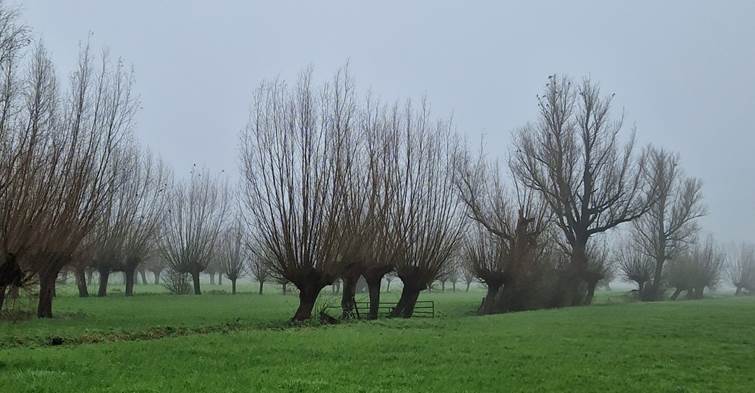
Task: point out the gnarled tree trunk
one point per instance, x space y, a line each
374 277
130 279
195 281
348 297
407 301
81 282
104 277
488 305
413 285
46 292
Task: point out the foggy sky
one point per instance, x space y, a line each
684 71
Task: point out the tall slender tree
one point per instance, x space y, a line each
231 253
294 167
426 218
196 213
592 181
671 222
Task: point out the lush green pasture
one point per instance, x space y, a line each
687 346
152 312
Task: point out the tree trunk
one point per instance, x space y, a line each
157 276
409 293
442 286
307 298
453 286
388 287
104 276
2 297
233 286
468 284
676 293
374 278
590 292
407 301
738 292
348 301
220 279
81 283
144 276
488 303
261 283
212 278
130 279
573 291
195 279
284 288
373 287
90 276
46 291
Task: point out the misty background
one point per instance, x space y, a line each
684 71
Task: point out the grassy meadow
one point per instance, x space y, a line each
217 342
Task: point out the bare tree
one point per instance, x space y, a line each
143 199
110 230
426 217
484 253
370 247
22 159
635 265
214 267
155 264
511 270
197 210
670 223
698 268
231 253
82 262
453 275
574 157
96 121
468 273
258 268
294 165
742 269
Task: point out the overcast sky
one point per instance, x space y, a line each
684 71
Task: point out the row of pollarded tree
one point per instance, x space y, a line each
58 151
333 188
336 190
78 193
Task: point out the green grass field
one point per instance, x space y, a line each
241 343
